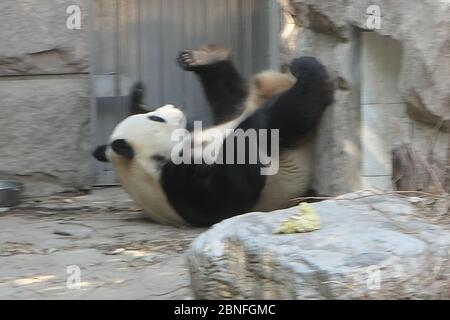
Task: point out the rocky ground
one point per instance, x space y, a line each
120 254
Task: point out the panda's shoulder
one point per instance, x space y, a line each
265 85
269 82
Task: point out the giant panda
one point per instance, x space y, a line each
141 147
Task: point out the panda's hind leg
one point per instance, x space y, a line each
225 89
207 55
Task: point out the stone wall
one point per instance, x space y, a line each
330 30
44 96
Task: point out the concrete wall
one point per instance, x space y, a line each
331 31
44 96
383 113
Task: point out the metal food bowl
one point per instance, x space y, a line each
10 193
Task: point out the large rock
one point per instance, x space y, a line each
45 133
369 246
329 30
35 40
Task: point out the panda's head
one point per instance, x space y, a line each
144 138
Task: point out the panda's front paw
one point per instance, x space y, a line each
305 67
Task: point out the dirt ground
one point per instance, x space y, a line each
120 254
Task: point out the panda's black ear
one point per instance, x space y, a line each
121 147
100 153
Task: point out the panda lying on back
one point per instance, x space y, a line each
141 148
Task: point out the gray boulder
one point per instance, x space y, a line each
369 247
330 31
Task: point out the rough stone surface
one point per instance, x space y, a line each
362 235
35 40
44 96
45 133
120 253
328 30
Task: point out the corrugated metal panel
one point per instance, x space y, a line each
105 80
140 39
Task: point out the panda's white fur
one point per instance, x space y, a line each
292 180
141 176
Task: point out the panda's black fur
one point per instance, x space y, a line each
204 194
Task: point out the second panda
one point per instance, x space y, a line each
201 194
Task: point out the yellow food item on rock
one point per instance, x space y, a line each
306 220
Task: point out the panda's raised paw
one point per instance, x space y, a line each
191 60
186 60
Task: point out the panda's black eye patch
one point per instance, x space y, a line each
158 158
156 118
